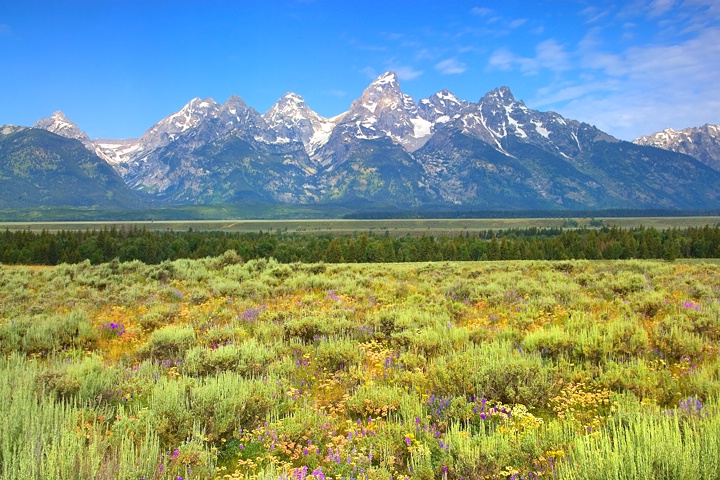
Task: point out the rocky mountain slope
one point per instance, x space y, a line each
40 168
390 151
702 143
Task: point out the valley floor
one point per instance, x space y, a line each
397 226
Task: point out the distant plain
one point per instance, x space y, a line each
396 227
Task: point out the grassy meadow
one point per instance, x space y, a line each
394 226
219 368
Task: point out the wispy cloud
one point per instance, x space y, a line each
406 73
5 30
518 23
481 11
642 89
594 14
369 72
451 66
660 7
336 93
549 55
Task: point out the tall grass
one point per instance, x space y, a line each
680 444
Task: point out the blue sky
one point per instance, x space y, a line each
117 67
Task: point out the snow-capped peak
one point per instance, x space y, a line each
501 96
289 105
190 115
169 128
702 143
441 107
293 120
387 78
58 123
382 95
384 111
447 96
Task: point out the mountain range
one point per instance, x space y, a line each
702 143
388 151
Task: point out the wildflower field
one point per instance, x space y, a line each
220 368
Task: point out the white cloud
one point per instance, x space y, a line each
594 14
518 22
451 66
643 89
502 59
481 11
406 73
549 55
660 7
369 72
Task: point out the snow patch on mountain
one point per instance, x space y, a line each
702 143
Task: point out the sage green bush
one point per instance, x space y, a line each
226 402
169 343
44 334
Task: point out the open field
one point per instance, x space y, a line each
392 226
219 368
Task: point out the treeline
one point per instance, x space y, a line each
152 247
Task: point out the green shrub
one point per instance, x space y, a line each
648 303
248 358
706 321
169 413
224 287
624 283
636 376
170 343
551 342
337 354
225 402
627 339
89 381
674 341
159 315
375 401
505 374
313 328
43 334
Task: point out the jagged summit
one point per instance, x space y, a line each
60 124
169 128
441 107
383 94
387 78
383 110
702 142
389 148
292 119
289 106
